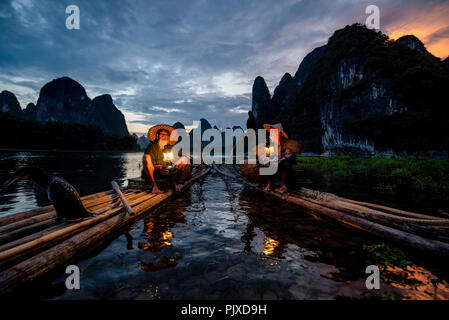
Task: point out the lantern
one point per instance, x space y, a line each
168 159
269 151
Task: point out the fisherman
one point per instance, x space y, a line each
287 150
251 122
158 157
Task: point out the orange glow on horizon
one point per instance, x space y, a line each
431 27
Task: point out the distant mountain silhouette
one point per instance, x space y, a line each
10 104
65 100
107 116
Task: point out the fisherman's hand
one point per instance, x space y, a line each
156 189
164 171
265 161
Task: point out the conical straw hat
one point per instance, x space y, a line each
154 129
277 126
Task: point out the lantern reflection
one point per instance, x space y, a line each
157 236
270 246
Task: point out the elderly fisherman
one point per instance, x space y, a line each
158 157
286 158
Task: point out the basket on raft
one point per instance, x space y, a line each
145 184
251 172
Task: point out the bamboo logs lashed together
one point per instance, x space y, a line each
116 188
98 208
81 243
15 232
72 227
16 251
329 209
31 213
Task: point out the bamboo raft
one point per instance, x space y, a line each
33 245
422 232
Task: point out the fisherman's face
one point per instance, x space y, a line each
164 137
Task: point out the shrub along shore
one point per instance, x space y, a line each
401 177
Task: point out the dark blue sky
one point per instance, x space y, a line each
164 61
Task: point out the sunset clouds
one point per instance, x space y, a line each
165 61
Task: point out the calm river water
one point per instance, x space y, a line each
220 240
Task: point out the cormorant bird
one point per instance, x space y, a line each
64 196
251 122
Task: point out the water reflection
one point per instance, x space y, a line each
157 234
162 263
87 172
415 283
320 241
273 248
218 240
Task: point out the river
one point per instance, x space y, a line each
219 240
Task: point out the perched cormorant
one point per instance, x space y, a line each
251 122
64 196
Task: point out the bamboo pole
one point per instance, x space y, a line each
93 204
16 238
20 256
324 196
16 234
368 212
116 188
24 215
27 221
439 211
58 233
31 213
431 227
97 209
19 241
393 210
80 244
427 228
15 241
329 198
106 198
401 237
338 203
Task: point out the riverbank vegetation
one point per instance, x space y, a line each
405 177
16 133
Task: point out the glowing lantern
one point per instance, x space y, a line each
168 157
269 151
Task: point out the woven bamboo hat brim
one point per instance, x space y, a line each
294 145
276 126
154 129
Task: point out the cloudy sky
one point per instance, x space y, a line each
164 61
